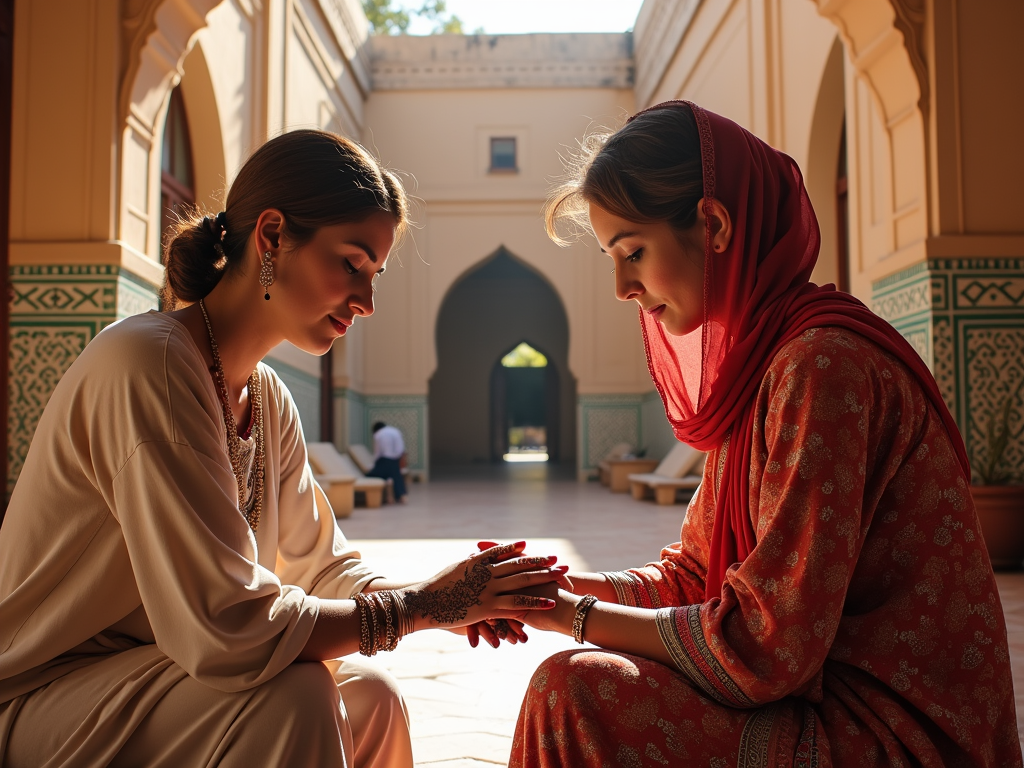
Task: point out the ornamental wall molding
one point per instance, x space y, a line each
911 16
155 37
884 41
502 61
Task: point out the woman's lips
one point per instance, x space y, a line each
339 325
655 312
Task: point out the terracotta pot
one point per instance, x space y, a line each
1001 513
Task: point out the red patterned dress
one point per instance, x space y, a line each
864 629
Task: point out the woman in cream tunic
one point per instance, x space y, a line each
167 593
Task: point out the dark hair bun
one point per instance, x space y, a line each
194 261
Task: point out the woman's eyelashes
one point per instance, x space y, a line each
350 267
633 257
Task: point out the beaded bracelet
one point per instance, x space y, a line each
582 608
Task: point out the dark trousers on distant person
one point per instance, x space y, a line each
390 468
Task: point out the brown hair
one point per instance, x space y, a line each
648 170
315 178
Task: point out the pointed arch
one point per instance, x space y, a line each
156 35
887 116
822 162
492 307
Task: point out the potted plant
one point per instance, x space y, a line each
999 496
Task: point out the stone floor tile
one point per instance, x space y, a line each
464 702
475 745
450 725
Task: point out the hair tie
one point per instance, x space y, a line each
217 227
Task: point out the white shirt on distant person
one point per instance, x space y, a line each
388 442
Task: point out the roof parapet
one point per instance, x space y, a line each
581 60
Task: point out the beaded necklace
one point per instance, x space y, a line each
236 448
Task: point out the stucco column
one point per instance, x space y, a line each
91 80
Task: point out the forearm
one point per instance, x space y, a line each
596 584
339 627
335 633
614 627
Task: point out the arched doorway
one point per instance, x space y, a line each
177 185
487 314
826 172
525 407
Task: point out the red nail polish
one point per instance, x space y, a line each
549 603
561 568
519 544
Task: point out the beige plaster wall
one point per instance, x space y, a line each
981 163
440 138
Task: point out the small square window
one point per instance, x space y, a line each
503 154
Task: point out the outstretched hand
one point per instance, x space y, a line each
493 631
488 585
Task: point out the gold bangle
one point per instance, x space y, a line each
582 608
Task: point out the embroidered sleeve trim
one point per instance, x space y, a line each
683 636
622 583
633 589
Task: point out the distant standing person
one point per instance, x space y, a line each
388 450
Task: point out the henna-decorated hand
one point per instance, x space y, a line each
565 582
482 587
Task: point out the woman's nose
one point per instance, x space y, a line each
362 302
626 288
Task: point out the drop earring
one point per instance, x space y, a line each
267 274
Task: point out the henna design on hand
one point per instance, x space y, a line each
450 604
527 601
532 560
501 629
504 549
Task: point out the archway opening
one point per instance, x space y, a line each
177 186
524 405
826 172
490 396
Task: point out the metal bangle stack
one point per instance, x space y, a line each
384 619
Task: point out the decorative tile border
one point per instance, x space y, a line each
971 335
409 414
994 365
603 421
56 310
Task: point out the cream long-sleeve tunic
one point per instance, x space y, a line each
124 530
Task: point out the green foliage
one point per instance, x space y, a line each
386 17
385 20
524 356
998 436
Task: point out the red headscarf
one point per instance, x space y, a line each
757 297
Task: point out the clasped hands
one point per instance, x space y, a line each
489 594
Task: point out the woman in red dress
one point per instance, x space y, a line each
830 601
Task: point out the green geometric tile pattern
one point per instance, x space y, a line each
965 317
55 311
406 412
604 421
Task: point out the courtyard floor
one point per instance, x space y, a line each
464 702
